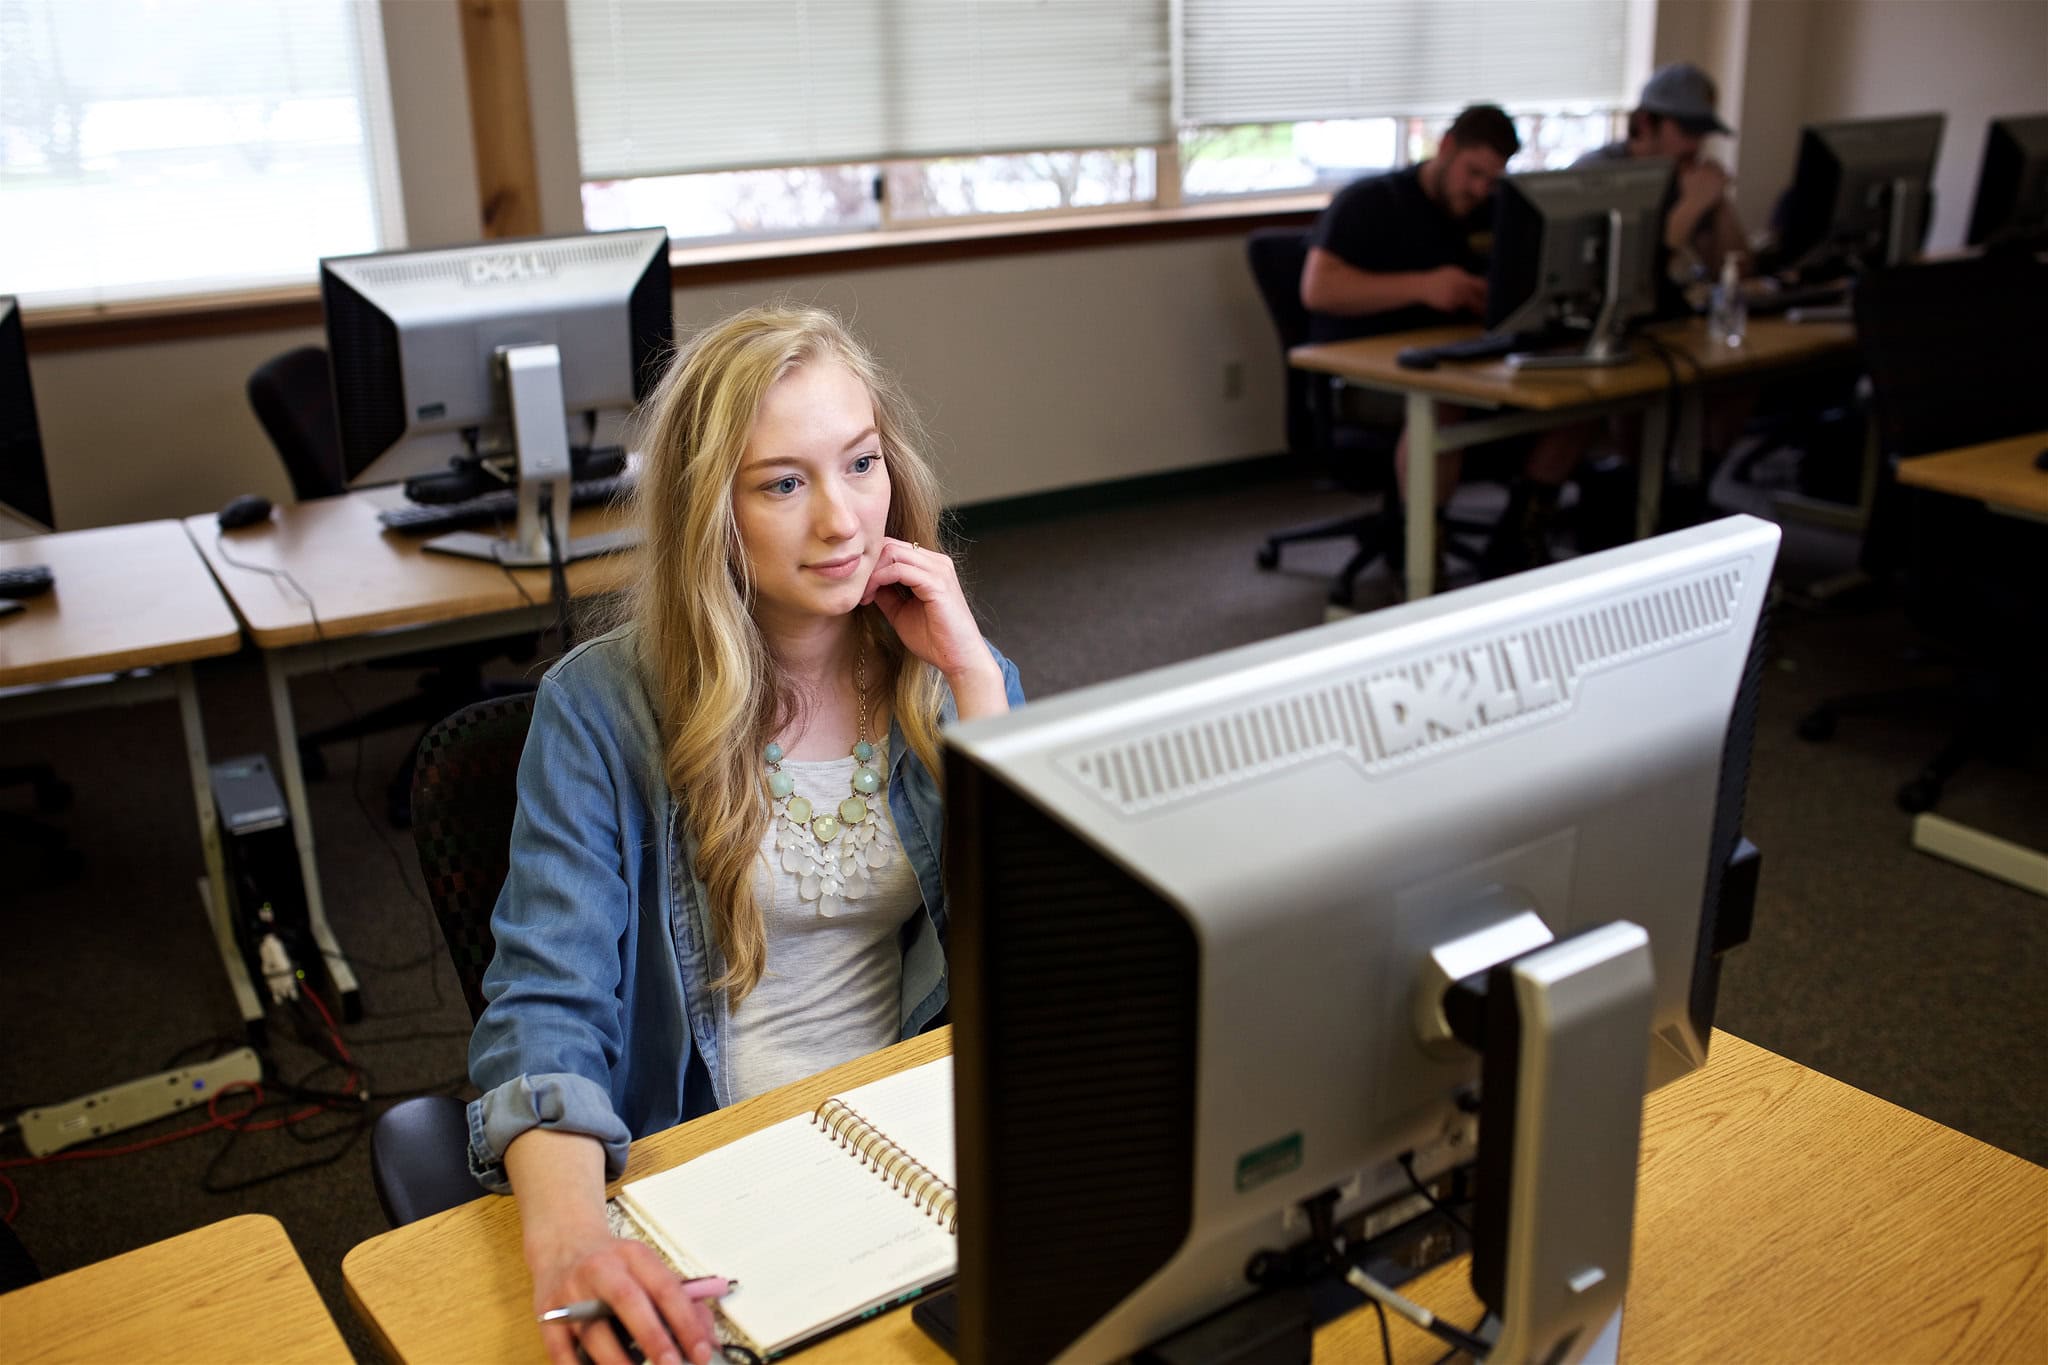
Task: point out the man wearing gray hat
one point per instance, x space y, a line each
1673 117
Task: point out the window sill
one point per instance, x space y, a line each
143 322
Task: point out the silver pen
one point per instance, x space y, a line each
590 1310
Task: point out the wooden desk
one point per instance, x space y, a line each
1781 1215
2002 476
132 607
233 1290
1535 400
374 593
1999 474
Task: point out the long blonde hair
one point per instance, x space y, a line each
718 695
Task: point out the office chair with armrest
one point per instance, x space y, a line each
1952 348
1358 457
293 397
465 794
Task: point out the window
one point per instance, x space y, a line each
1304 94
781 109
175 146
733 120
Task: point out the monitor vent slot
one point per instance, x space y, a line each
446 270
1494 684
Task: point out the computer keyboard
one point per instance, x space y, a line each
499 505
1486 346
25 580
1766 302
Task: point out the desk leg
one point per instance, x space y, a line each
217 912
1650 470
302 833
1421 495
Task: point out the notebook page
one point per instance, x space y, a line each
915 1109
812 1236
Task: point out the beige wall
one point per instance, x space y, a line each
1033 372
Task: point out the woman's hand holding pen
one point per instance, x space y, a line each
919 594
666 1316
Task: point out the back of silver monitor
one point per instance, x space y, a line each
1326 808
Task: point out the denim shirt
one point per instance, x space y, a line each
599 1016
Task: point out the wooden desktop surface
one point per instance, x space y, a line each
362 578
125 597
1771 343
1782 1215
233 1290
2001 473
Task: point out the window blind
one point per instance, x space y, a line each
1277 61
157 146
669 86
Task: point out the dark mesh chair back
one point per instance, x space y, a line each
464 795
293 395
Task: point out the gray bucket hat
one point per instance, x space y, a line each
1684 93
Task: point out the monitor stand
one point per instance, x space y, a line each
530 381
1564 1035
1905 221
1605 348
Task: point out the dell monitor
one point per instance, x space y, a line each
1575 253
2011 208
24 482
1232 937
1860 194
493 357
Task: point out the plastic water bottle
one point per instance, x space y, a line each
1728 317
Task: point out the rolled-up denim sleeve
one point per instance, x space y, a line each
561 1101
1013 685
551 1033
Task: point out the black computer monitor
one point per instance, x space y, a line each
1207 921
1861 194
502 353
24 481
2011 208
1575 252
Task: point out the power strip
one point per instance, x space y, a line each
134 1102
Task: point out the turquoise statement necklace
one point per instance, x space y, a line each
867 782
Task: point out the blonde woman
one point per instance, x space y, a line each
680 928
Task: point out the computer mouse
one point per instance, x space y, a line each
1416 358
2041 462
244 510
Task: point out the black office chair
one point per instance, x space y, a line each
465 794
293 397
1358 457
1954 359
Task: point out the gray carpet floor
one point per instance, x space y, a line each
1902 975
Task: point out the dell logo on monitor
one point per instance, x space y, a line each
1449 696
505 266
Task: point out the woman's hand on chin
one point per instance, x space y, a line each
919 594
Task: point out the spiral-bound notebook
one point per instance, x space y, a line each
825 1218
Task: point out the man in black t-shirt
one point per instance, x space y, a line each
1408 249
